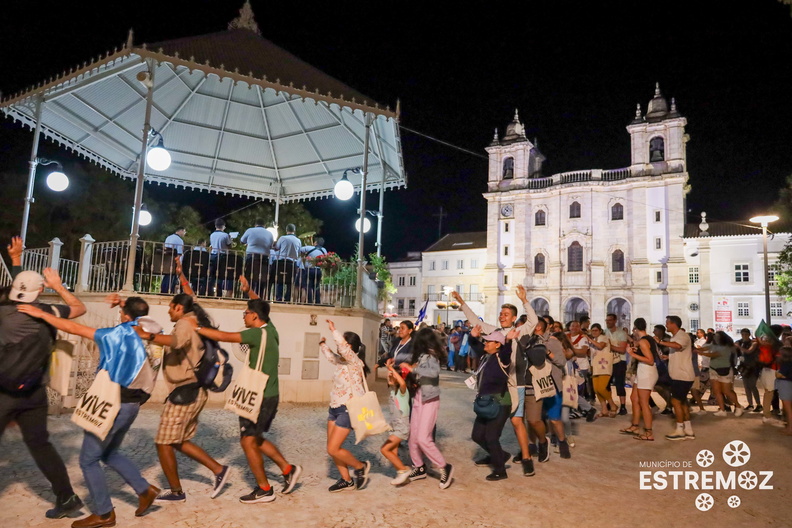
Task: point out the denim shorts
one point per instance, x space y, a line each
553 405
520 411
340 416
784 388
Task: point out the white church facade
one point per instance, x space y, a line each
599 241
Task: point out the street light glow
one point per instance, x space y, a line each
366 225
274 231
344 189
158 158
764 220
57 181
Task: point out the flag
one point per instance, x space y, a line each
422 313
763 330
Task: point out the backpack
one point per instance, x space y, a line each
663 378
24 362
213 371
534 353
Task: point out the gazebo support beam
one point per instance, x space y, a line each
32 170
361 236
129 284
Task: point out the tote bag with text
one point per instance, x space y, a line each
542 381
366 415
97 409
247 391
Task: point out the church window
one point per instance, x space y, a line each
508 168
574 210
575 257
617 260
656 149
539 264
617 212
505 227
540 218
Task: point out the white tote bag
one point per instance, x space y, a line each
97 409
366 415
570 390
542 381
247 390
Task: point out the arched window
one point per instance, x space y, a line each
540 218
575 257
574 210
656 149
617 212
617 260
539 264
508 168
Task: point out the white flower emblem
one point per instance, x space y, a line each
704 502
736 453
705 458
734 501
747 480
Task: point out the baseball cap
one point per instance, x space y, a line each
495 336
26 287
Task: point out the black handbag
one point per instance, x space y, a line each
486 407
184 395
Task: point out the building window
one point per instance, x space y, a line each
431 265
772 272
473 263
617 212
460 264
412 305
617 260
744 309
574 210
656 149
459 288
540 218
505 280
657 216
444 265
505 227
575 257
776 309
539 264
400 304
401 280
742 273
505 251
694 325
658 243
508 168
430 290
412 280
693 275
659 277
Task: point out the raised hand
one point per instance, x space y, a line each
476 331
521 293
52 279
331 325
457 297
15 249
244 284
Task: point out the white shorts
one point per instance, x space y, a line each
729 378
646 378
766 379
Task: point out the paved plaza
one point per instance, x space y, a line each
599 486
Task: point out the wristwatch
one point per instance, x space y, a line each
151 337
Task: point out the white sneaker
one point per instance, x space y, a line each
401 477
738 412
721 414
571 440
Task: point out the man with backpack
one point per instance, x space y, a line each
187 399
25 348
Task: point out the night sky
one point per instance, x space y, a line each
575 70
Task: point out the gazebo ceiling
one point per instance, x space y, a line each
237 113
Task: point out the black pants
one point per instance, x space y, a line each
30 412
618 377
486 433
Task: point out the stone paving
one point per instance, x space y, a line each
599 486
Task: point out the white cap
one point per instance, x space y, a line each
26 287
149 325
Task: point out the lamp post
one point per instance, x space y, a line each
764 220
56 180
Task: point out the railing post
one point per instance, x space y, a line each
84 267
53 259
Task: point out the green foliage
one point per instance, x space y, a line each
171 217
380 267
783 272
289 213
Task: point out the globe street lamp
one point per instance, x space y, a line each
366 225
56 180
344 189
158 158
145 217
763 221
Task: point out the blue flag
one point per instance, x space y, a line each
422 313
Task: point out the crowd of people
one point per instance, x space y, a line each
531 371
279 270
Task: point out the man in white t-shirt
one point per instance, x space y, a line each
618 346
682 374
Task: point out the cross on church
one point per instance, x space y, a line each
440 216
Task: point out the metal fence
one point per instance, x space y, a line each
35 259
5 275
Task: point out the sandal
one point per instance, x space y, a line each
602 415
646 436
633 430
612 414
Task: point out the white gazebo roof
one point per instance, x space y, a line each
238 114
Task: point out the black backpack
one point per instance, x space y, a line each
534 352
24 362
213 364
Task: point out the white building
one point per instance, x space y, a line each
600 241
407 278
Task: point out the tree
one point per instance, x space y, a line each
783 271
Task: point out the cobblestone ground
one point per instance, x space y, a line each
599 486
